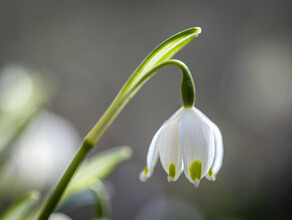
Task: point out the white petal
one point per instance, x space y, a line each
176 116
169 149
197 145
152 157
197 183
152 154
219 150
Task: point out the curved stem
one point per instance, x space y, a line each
124 96
188 90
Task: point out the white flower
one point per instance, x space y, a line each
187 141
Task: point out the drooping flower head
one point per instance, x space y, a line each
188 141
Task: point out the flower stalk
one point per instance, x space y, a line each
157 59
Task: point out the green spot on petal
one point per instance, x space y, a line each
145 171
196 170
171 170
210 173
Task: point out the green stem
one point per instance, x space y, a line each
188 90
124 96
63 182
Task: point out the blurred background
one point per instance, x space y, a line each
70 58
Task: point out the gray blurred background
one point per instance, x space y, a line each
242 66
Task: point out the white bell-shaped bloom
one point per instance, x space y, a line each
187 141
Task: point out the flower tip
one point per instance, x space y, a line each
211 178
198 30
195 31
170 179
197 183
144 175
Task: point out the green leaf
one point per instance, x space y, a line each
103 202
97 167
96 195
22 207
163 52
77 200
